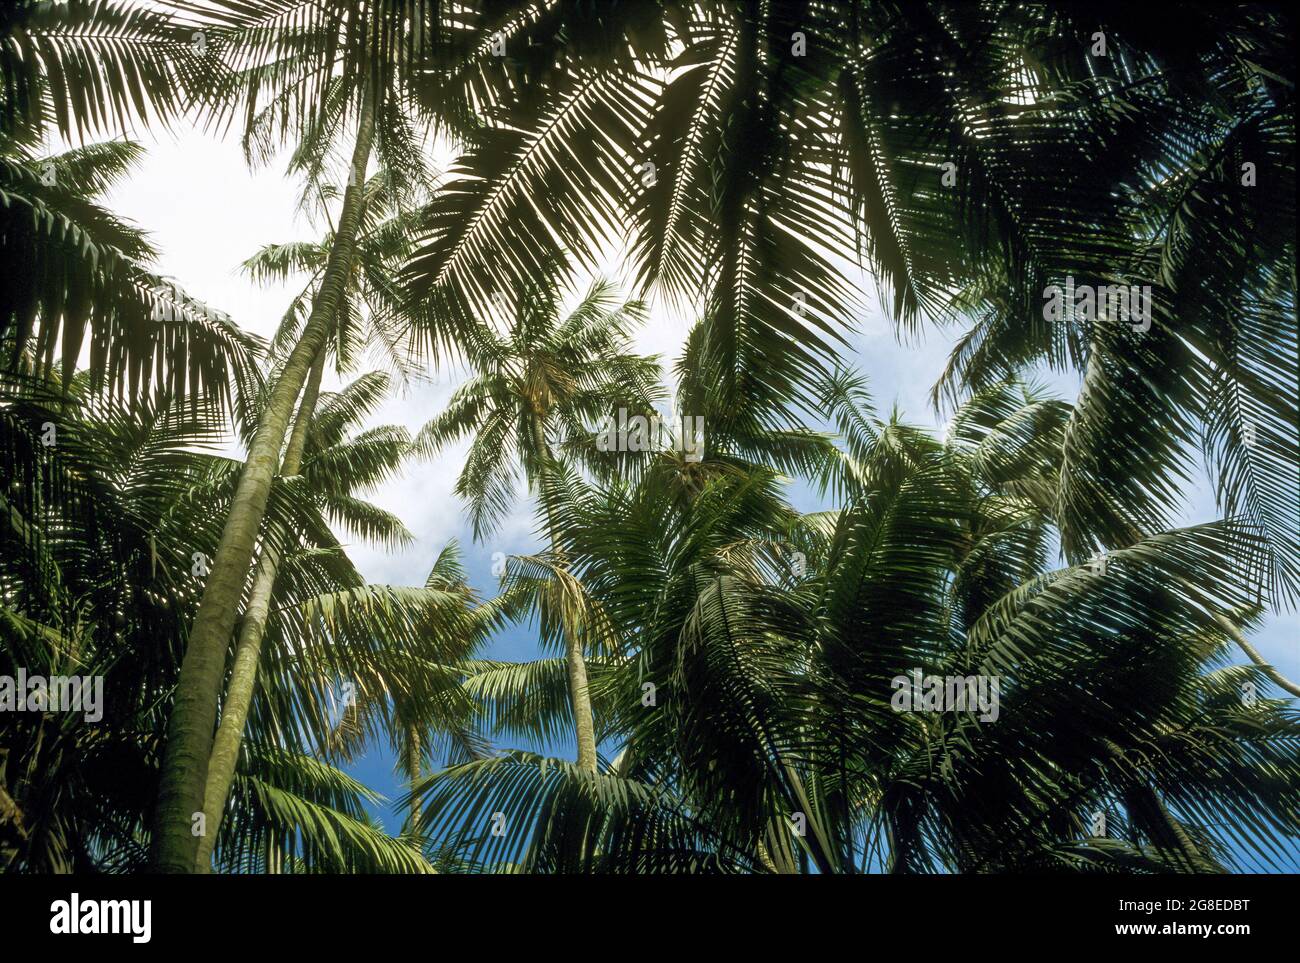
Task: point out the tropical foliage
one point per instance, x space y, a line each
996 647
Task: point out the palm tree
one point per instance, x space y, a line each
104 532
332 467
79 277
1199 378
772 743
741 657
542 376
372 316
381 241
423 711
308 70
971 158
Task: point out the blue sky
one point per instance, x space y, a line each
206 213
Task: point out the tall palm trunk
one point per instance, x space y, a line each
274 856
248 652
194 712
414 750
574 662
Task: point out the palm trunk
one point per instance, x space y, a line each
274 856
248 652
413 753
579 697
1181 842
194 712
1253 654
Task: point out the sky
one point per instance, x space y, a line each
206 212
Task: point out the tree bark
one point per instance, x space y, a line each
274 856
194 711
579 697
248 652
414 749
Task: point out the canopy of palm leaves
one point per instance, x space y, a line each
78 278
757 150
751 699
733 661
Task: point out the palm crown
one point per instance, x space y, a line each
541 378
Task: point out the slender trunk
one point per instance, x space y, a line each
194 712
579 697
274 856
413 753
1254 655
1194 860
248 652
897 858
